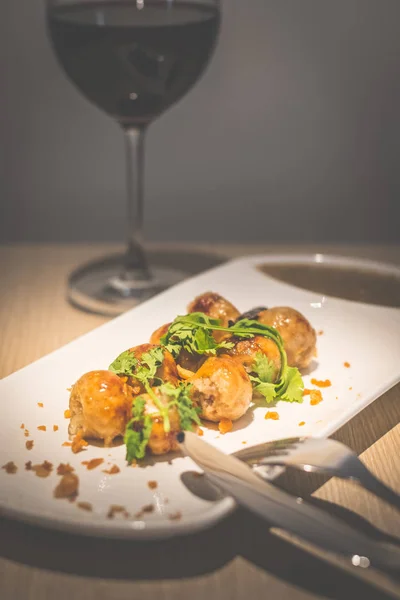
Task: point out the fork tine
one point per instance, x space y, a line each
253 453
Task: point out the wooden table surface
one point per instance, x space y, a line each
237 558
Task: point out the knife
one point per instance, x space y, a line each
284 511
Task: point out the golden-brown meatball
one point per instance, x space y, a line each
245 351
222 388
167 371
215 306
156 336
100 405
299 337
161 442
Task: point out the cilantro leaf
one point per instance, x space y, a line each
144 370
193 332
180 397
262 377
292 386
268 390
138 430
148 364
124 364
263 368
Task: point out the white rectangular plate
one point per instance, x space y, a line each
367 337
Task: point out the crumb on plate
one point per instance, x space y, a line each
93 463
315 397
302 423
85 506
272 414
175 516
323 383
10 468
67 487
147 508
40 404
225 425
42 470
29 444
117 509
112 471
55 427
64 468
78 443
152 484
42 428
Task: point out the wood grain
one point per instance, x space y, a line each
238 558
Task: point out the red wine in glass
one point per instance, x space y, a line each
134 63
133 59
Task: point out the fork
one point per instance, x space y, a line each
315 455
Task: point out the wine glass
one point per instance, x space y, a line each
133 59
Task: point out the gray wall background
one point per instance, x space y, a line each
293 133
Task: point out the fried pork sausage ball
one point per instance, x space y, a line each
100 405
299 337
245 351
215 306
167 371
156 336
161 442
222 388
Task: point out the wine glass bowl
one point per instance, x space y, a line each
133 59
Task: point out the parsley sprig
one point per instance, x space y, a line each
289 387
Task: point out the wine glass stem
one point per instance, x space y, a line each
135 261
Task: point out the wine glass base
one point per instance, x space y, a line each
98 287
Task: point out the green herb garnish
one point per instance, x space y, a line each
180 398
138 430
184 333
144 370
193 332
262 377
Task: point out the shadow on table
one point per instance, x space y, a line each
241 534
188 556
